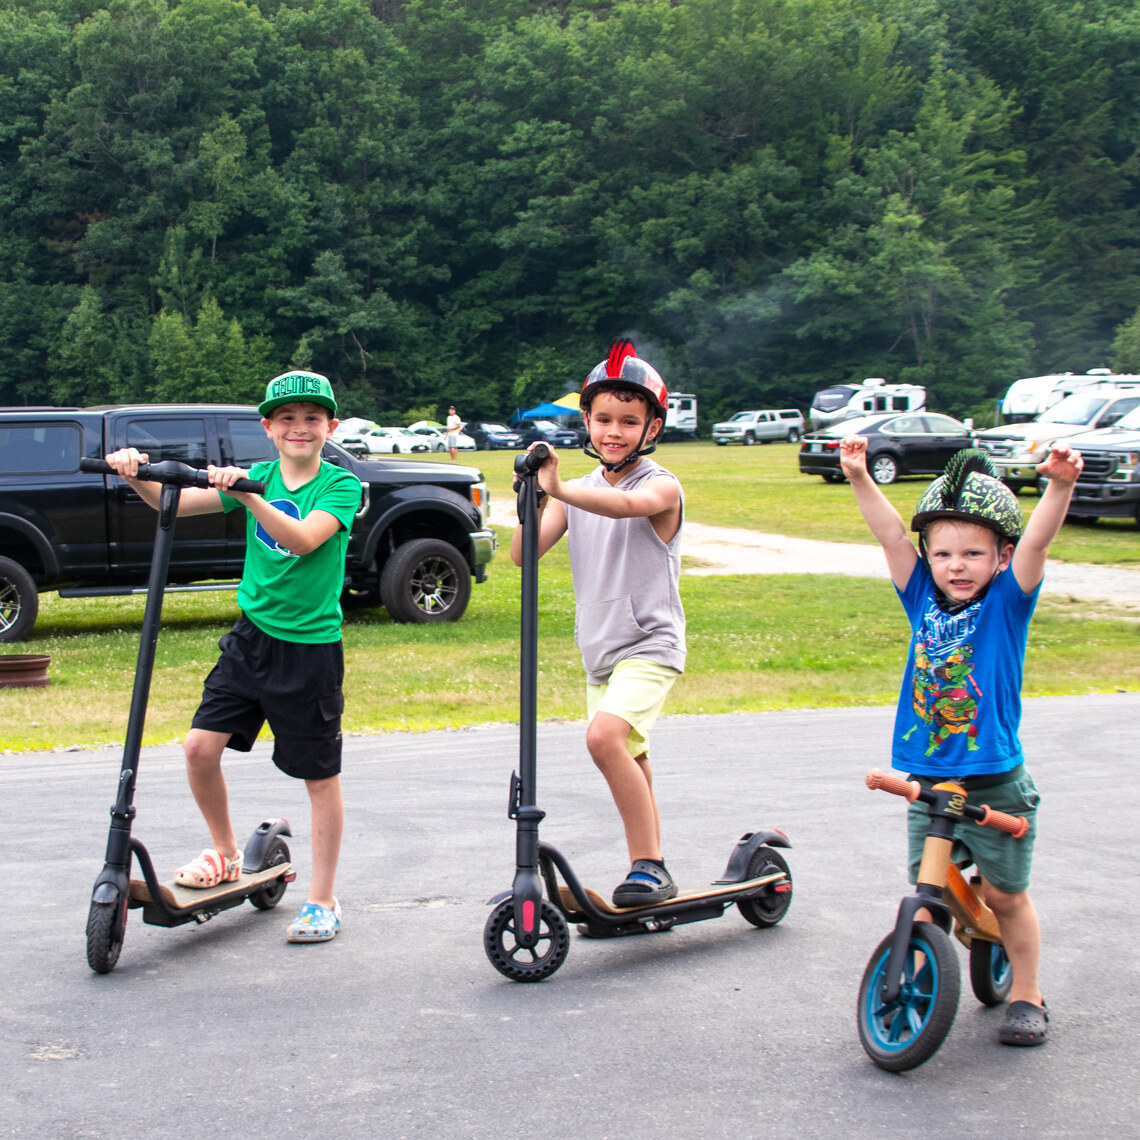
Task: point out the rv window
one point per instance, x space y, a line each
830 399
900 403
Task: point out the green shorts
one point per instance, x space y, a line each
1001 859
636 692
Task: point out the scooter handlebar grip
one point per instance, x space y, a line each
529 462
878 780
171 471
1015 825
96 466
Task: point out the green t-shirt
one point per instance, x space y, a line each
289 596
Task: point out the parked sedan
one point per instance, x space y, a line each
546 431
492 436
913 443
384 441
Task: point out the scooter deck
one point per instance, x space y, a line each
187 898
570 905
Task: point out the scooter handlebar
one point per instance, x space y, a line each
911 790
172 472
530 461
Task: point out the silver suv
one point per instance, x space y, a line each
1017 448
760 427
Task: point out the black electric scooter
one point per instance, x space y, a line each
526 936
266 869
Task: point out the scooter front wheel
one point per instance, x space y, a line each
106 927
903 1033
991 975
523 963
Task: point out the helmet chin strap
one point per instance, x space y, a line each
632 457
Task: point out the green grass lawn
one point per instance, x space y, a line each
756 642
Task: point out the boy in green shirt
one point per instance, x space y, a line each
283 660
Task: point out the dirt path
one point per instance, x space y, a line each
732 550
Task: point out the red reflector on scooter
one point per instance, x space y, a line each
528 915
782 888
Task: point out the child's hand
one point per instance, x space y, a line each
1063 465
853 455
126 461
548 478
225 477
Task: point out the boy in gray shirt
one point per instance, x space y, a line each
623 525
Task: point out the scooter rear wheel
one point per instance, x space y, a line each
521 963
772 905
106 927
991 975
902 1034
271 894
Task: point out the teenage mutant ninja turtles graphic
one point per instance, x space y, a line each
943 695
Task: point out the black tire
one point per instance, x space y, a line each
794 435
910 1030
884 469
517 962
395 449
106 927
19 601
833 477
272 893
749 439
425 580
721 442
770 907
991 975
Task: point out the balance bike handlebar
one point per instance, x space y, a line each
171 472
912 790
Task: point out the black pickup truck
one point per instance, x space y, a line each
419 538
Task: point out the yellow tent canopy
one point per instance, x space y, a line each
570 400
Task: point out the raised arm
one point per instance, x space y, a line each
1062 468
880 515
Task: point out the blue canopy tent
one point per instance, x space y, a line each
543 412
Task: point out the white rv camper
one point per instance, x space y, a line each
1027 399
866 398
680 416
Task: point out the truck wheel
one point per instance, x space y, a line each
19 601
425 580
749 439
793 435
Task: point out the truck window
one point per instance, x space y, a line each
248 442
38 449
183 440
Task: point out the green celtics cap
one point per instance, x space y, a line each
294 387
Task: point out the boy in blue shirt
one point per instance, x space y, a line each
969 598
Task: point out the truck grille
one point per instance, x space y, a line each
1098 468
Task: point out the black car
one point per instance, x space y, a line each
908 443
492 436
546 431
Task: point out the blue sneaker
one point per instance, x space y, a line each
315 923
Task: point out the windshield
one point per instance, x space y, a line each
1075 409
852 427
1130 421
830 399
741 416
495 427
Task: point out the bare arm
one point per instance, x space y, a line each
1061 468
885 522
551 527
192 500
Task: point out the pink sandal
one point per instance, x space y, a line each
208 870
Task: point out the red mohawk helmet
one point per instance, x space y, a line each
624 370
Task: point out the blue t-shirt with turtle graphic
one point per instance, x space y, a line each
959 707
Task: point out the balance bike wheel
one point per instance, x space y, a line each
106 927
902 1034
991 975
521 963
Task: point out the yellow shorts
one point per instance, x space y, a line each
636 692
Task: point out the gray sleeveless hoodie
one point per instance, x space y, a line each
627 601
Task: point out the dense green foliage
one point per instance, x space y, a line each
463 200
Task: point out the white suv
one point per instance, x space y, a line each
760 427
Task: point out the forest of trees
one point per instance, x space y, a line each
465 200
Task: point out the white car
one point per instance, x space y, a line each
384 441
436 437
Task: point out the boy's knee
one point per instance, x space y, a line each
202 751
1004 903
605 740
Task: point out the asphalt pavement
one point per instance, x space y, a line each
401 1027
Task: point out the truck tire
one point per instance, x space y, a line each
19 601
425 580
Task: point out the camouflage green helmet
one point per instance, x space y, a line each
971 491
